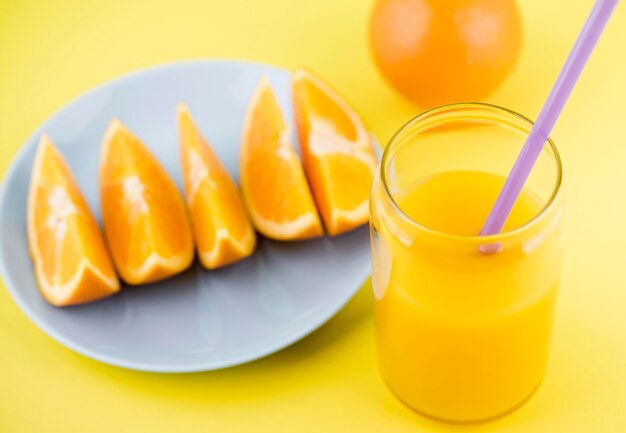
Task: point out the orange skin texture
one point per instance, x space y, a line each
436 52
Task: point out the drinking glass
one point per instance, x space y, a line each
463 322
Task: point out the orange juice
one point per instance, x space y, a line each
463 322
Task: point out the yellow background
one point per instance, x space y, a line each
53 50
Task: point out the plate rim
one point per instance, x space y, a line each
59 337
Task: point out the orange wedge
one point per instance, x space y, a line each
72 264
337 151
145 220
274 187
222 230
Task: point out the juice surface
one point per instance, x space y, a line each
458 202
463 336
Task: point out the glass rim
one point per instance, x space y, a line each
490 238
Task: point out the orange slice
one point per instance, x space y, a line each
337 151
72 264
145 220
222 230
274 187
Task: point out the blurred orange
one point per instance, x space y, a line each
440 51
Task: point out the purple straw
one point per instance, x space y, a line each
549 113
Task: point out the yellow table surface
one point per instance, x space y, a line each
53 50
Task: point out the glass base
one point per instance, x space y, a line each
468 421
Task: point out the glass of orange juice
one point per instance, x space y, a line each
463 322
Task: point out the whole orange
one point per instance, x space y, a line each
440 51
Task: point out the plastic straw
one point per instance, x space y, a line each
549 113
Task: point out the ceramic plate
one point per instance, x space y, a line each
199 320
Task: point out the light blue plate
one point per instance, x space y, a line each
200 320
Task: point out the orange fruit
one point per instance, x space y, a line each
72 264
337 151
273 183
440 51
145 220
222 230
